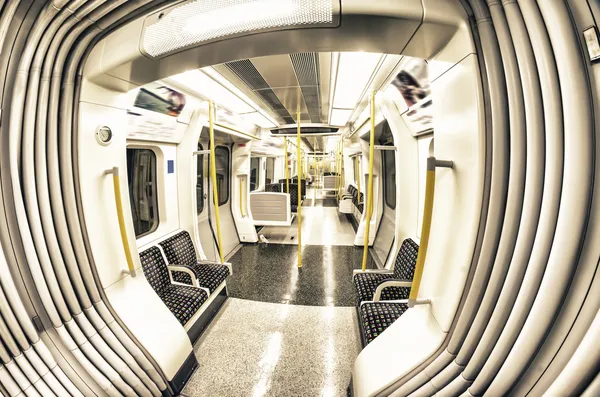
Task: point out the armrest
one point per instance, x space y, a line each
387 284
380 271
390 301
184 269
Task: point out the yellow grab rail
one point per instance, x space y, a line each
359 175
117 189
432 163
242 197
287 170
370 185
213 177
238 131
299 211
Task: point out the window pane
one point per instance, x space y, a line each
270 170
389 174
222 160
200 182
254 173
141 174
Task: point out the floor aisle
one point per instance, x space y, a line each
267 349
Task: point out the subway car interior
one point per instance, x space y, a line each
299 198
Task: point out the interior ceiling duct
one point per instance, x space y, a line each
203 21
305 130
285 83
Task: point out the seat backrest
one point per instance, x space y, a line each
406 261
273 188
293 194
155 269
179 249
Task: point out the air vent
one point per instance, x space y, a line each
307 130
247 72
306 66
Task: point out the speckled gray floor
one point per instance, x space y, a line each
266 349
269 273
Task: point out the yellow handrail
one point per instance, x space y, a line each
299 211
359 175
287 170
117 189
370 185
432 163
238 131
242 197
213 177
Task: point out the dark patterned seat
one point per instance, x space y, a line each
179 250
273 187
366 284
183 301
377 317
360 203
294 197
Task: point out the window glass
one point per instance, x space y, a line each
270 170
200 182
222 160
389 167
141 174
356 166
254 173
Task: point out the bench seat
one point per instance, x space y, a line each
376 317
183 301
180 251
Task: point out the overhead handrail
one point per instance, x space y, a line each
117 189
299 210
432 163
370 185
213 176
238 131
359 127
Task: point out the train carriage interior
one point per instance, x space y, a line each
299 198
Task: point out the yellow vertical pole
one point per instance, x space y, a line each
359 174
341 168
299 190
426 228
370 185
287 170
213 176
242 197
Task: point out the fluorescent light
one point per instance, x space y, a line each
258 119
340 117
335 59
206 87
199 21
353 74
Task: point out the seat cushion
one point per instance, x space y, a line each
209 275
377 317
183 301
366 284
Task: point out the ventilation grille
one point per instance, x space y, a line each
246 72
200 21
306 66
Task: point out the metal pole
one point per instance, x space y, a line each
287 170
299 190
213 176
370 185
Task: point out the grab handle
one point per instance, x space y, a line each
117 189
432 163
